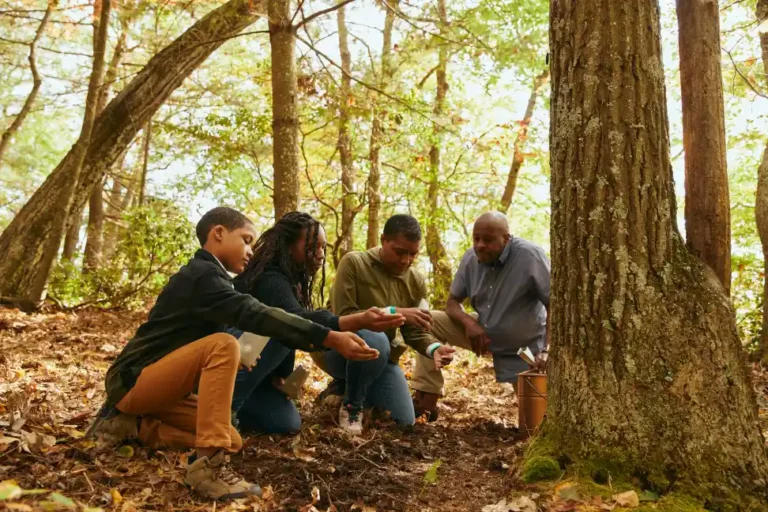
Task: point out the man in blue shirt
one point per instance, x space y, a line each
506 280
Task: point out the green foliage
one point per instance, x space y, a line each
159 238
540 468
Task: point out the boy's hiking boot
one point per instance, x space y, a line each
425 403
113 426
212 478
351 419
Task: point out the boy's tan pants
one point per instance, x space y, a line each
171 415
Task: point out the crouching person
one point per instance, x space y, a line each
182 347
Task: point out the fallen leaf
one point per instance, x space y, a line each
362 507
9 490
34 492
6 442
116 496
627 499
125 451
304 454
430 477
18 506
568 493
74 433
315 495
62 500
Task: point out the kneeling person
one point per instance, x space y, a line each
507 282
383 277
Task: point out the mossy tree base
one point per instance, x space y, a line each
647 377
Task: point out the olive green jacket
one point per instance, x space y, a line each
362 282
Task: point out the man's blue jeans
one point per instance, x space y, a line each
257 404
379 383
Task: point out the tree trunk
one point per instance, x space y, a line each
344 144
33 237
441 269
761 196
6 137
522 135
707 206
95 231
59 204
285 108
145 162
647 374
72 237
377 130
120 198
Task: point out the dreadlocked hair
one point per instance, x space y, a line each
274 248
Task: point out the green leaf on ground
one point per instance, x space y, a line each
430 477
62 500
9 490
649 496
125 451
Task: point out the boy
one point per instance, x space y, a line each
182 347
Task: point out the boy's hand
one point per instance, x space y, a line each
443 356
417 317
350 346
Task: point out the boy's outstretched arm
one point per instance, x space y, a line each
218 302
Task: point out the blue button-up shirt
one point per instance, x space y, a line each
509 295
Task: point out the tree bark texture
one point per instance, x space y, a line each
522 135
647 372
345 143
95 231
72 238
60 205
145 161
441 268
285 108
94 244
707 206
37 81
377 130
761 195
33 232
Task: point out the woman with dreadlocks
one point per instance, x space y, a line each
286 259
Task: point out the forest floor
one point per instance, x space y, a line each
51 382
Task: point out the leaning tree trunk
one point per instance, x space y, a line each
72 237
95 231
285 108
377 130
761 197
707 207
517 149
33 235
441 269
59 205
37 81
344 144
647 373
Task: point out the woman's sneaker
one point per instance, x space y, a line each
351 419
212 478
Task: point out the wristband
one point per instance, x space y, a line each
431 349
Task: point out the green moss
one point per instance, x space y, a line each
540 468
671 503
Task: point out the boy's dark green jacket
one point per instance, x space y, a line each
199 300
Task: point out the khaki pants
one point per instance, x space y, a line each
171 415
426 377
